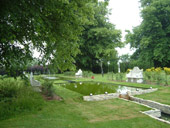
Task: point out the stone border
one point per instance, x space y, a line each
142 91
154 117
116 95
162 107
150 112
101 97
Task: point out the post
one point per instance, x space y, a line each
108 65
118 67
102 68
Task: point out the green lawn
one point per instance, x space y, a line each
73 112
162 95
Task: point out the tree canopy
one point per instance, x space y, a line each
152 37
50 26
98 41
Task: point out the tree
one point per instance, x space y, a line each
152 37
50 26
98 41
124 62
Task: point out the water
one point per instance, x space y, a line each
51 77
95 88
125 89
165 116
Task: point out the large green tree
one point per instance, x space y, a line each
98 41
50 26
152 37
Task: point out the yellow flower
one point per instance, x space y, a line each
167 70
159 69
152 69
148 70
128 70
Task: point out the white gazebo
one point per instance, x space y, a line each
79 74
135 75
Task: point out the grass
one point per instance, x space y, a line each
16 97
73 112
162 95
76 113
66 93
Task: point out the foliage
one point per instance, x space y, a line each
87 73
167 70
37 69
124 62
47 88
128 70
116 76
51 27
17 98
69 73
152 37
157 75
98 41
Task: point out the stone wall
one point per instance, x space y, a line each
116 95
101 97
141 91
155 113
162 107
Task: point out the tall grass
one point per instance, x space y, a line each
16 97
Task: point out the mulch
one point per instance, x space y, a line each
54 97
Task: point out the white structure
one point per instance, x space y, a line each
79 74
123 90
35 83
135 75
118 66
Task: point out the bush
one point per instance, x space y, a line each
120 76
16 98
87 74
69 73
47 88
9 88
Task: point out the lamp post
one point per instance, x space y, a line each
118 67
101 65
108 65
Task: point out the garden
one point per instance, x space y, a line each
31 110
61 65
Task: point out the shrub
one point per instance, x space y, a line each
69 73
167 72
16 98
47 88
87 74
120 76
128 70
147 75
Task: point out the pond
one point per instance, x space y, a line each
95 88
58 78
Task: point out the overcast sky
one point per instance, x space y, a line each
125 15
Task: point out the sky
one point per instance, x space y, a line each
125 15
